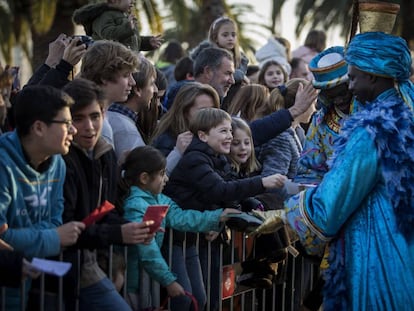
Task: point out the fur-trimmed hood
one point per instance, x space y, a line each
86 14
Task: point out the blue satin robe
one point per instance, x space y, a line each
370 263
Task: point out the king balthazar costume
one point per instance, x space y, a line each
361 214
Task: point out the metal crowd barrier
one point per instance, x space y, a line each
286 295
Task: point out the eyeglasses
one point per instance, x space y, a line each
68 123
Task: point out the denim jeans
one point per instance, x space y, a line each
102 296
214 277
189 276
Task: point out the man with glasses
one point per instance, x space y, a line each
32 174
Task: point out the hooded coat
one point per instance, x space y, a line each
101 21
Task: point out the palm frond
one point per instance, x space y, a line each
42 14
6 31
152 12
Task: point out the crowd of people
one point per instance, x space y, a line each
208 134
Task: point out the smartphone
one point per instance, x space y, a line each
155 213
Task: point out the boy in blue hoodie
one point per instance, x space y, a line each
32 173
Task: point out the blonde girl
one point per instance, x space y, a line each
242 156
223 33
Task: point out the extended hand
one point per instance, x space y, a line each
175 289
305 96
183 141
137 232
70 232
274 181
156 41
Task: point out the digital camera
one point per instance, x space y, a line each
84 40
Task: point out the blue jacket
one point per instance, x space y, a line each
149 256
31 202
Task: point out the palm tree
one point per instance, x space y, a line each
328 13
24 23
36 23
190 22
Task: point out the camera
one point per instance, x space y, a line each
87 40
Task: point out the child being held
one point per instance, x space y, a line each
112 20
143 179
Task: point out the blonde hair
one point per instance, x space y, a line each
105 60
252 164
208 118
175 119
283 97
213 36
248 100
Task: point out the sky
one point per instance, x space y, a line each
261 13
263 9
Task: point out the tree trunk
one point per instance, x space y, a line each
62 24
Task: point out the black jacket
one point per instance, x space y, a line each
10 268
88 182
203 180
57 77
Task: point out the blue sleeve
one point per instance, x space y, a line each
319 213
149 256
33 239
192 220
270 126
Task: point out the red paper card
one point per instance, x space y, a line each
157 214
98 213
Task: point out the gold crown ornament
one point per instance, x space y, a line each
377 16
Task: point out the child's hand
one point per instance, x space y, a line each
273 181
183 140
137 232
175 289
133 20
228 211
211 235
156 41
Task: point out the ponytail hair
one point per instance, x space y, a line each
144 159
